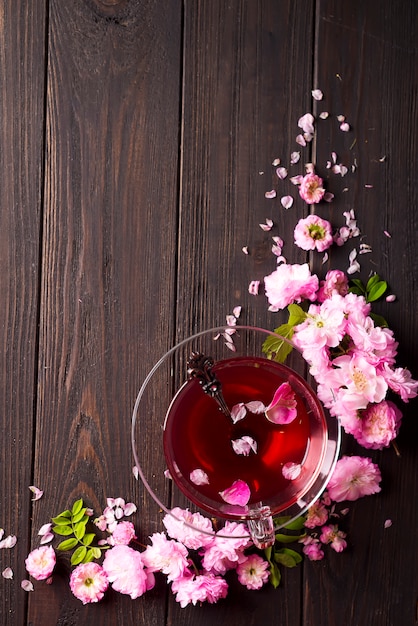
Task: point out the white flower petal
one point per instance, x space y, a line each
38 493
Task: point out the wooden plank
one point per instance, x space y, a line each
108 265
22 69
247 78
366 65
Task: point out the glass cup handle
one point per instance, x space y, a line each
261 527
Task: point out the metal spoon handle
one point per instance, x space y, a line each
200 367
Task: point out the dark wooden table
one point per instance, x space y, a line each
136 143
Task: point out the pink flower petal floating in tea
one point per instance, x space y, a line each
282 409
255 406
199 477
238 493
244 445
238 412
291 471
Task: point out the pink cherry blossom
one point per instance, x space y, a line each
313 233
311 189
282 409
353 478
193 530
336 282
226 550
317 515
165 555
125 569
379 425
123 534
401 382
201 588
41 562
253 573
324 326
238 493
335 537
290 283
312 548
88 582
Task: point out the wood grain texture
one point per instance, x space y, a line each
22 69
366 66
108 267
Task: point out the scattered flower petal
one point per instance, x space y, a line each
281 172
7 573
8 542
238 493
345 127
47 538
26 585
306 123
167 474
199 477
238 412
267 226
385 232
388 523
44 529
255 407
244 445
341 118
300 139
253 287
294 158
282 409
291 471
135 472
317 94
324 115
37 493
237 311
245 250
286 202
391 298
276 162
270 194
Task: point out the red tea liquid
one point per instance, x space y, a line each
197 435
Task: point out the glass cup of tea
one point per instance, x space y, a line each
219 428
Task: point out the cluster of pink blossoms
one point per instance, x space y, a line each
351 358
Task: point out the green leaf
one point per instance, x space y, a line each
65 513
296 314
285 557
88 539
80 530
288 538
297 523
78 555
77 506
277 349
282 520
63 530
376 291
379 320
96 552
79 516
373 280
275 575
295 555
61 520
67 544
89 556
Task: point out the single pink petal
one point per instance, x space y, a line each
287 202
255 406
324 115
281 172
294 158
44 529
231 320
199 477
26 585
47 538
37 493
276 162
167 474
238 412
129 509
306 123
390 298
282 409
317 94
237 311
388 523
345 127
270 194
7 573
328 196
291 471
245 250
296 180
341 118
135 472
300 139
385 232
9 542
253 287
238 493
